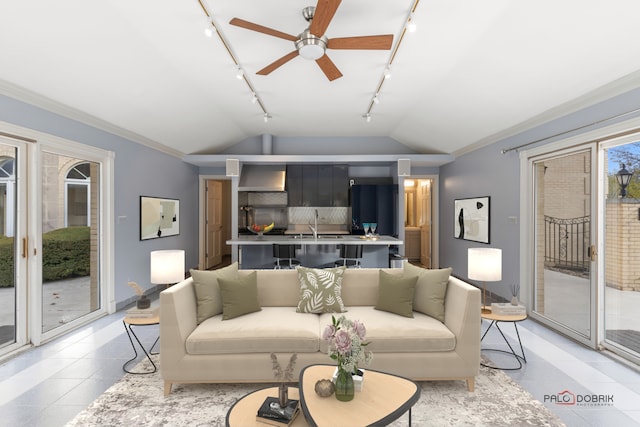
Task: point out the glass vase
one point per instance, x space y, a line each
345 389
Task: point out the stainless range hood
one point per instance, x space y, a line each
262 178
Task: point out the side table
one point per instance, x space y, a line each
496 319
128 323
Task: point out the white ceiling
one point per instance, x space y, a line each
472 72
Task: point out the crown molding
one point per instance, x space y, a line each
21 94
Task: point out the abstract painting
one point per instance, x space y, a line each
159 217
471 219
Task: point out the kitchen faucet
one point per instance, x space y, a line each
314 227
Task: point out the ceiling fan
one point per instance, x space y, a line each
312 42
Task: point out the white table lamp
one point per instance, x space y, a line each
167 267
485 265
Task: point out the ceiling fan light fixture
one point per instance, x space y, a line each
311 47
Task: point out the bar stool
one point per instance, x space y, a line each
350 256
285 256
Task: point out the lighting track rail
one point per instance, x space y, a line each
255 99
387 70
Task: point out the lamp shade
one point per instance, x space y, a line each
484 264
167 266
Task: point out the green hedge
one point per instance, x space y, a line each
6 262
65 253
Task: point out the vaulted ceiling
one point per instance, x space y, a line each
473 71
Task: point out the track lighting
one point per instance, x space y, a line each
266 117
254 98
387 72
240 74
209 29
411 27
375 99
367 117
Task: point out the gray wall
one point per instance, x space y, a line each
139 171
488 172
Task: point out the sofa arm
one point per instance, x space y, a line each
177 320
462 318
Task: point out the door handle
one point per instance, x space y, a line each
592 253
25 247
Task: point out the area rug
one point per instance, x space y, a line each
139 400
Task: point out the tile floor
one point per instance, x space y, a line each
49 385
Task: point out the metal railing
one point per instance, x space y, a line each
567 243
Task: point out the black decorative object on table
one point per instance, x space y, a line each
271 412
143 302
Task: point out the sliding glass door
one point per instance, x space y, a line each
55 236
12 244
70 239
622 246
564 283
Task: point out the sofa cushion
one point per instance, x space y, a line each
207 290
273 329
395 294
431 289
390 333
320 290
239 296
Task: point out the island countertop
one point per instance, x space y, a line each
307 240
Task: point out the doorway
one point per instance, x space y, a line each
419 221
564 283
54 234
216 223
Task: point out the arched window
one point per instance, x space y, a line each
77 195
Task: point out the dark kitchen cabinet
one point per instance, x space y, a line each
294 185
340 181
318 185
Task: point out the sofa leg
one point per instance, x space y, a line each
471 383
167 388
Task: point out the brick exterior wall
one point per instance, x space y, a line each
622 244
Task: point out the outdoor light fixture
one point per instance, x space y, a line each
484 264
623 177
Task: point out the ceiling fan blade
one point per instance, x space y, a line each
382 42
278 63
325 9
328 68
262 29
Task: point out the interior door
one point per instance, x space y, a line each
424 187
213 223
564 283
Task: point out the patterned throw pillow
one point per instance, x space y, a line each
320 290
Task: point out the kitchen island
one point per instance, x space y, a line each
256 251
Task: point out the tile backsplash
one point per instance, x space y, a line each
326 215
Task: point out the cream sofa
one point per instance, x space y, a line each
238 350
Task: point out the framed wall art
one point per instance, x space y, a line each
471 219
159 217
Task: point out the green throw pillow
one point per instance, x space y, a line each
431 289
207 290
395 293
320 290
239 296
